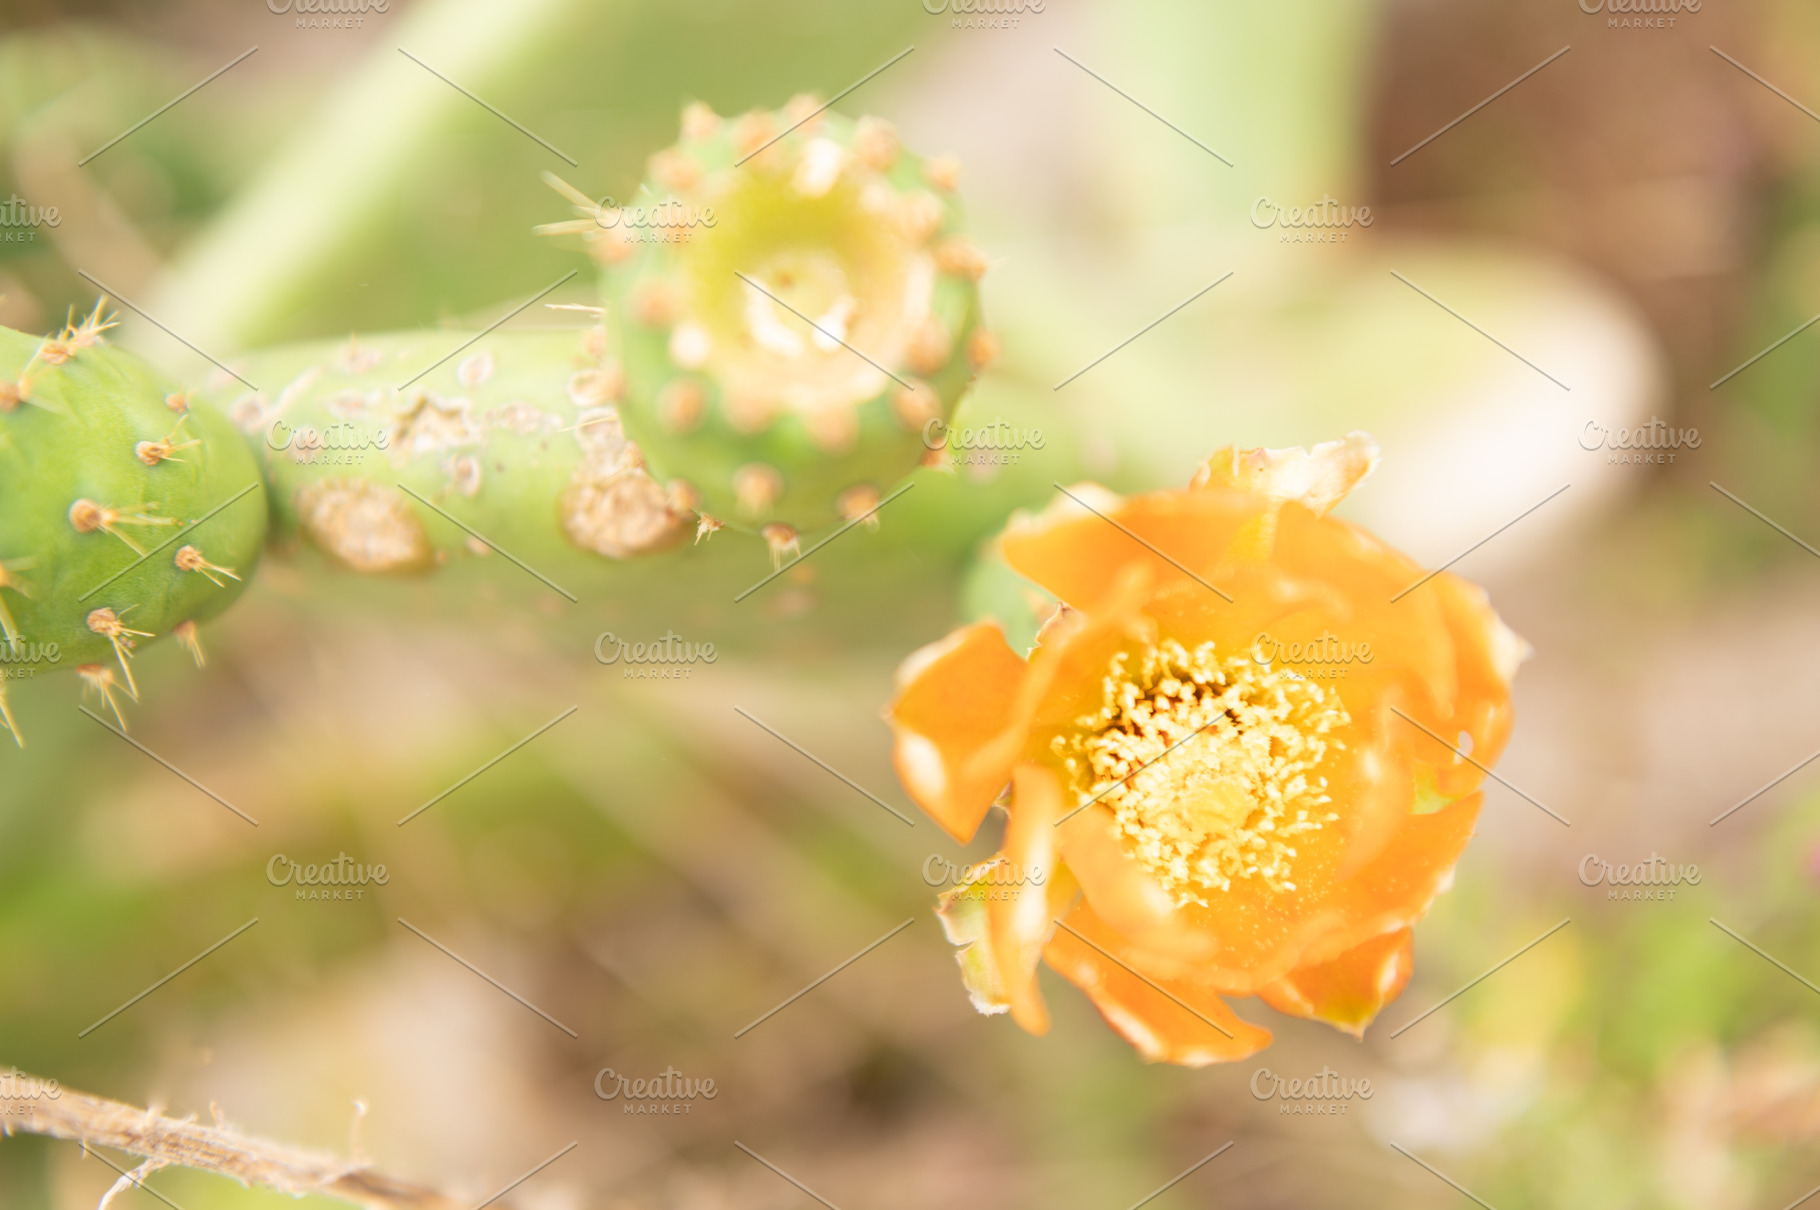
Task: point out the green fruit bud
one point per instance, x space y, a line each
793 306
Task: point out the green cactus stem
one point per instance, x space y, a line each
124 516
793 305
379 450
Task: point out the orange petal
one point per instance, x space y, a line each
954 697
1018 918
1317 478
1487 655
1075 554
1349 991
1167 1020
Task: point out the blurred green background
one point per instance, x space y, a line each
1636 220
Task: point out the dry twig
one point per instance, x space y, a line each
167 1142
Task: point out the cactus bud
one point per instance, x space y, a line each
791 309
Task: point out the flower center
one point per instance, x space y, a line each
1208 764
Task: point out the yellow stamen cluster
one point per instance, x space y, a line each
1228 803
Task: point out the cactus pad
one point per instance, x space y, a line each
124 515
380 450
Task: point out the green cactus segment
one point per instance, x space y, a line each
124 515
379 450
793 306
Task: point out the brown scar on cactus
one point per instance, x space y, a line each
367 526
88 517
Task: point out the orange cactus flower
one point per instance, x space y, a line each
1235 755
